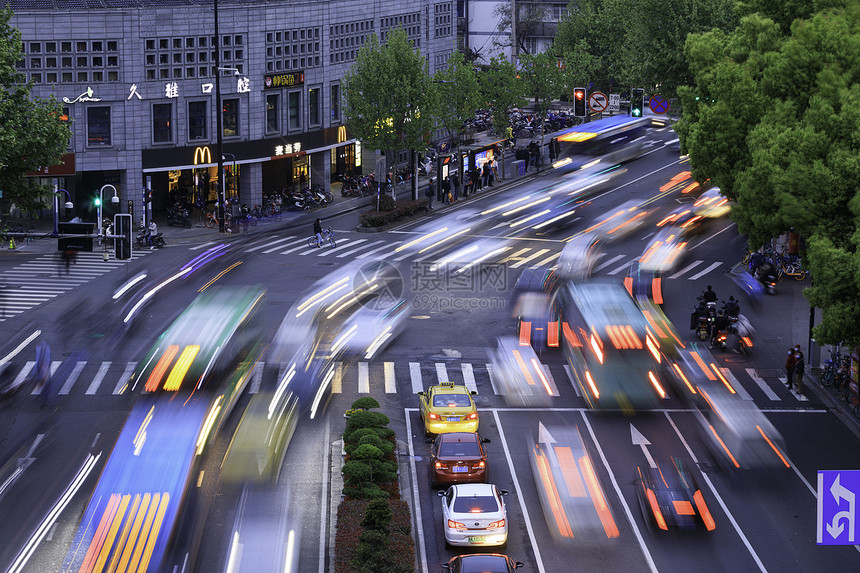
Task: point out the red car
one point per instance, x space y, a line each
482 563
458 457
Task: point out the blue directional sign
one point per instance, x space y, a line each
838 491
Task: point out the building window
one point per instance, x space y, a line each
98 126
295 104
335 102
230 117
272 123
197 120
314 106
162 128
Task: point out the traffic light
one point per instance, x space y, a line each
579 102
122 244
637 102
97 202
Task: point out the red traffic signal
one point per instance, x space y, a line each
579 102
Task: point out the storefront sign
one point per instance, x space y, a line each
66 166
86 96
202 156
288 148
341 134
285 80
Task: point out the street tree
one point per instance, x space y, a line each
530 22
458 96
543 80
773 118
388 96
33 134
501 89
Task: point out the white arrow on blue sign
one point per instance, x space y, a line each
837 507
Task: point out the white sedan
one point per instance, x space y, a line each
474 514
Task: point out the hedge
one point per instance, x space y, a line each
399 550
374 218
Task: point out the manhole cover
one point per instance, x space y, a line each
769 372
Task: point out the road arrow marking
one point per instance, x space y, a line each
544 437
642 441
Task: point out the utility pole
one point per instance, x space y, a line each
220 134
514 44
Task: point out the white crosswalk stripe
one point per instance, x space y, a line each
704 272
272 245
374 377
609 262
686 269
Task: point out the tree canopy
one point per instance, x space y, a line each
773 118
388 95
636 42
33 135
501 89
458 95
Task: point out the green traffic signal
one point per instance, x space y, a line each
636 112
97 202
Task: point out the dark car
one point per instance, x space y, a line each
670 497
482 563
538 322
458 457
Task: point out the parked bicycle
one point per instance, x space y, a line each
327 237
212 218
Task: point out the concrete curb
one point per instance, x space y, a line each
337 456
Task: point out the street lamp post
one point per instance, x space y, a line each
218 126
114 201
68 205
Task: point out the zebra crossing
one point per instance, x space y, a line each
528 256
43 278
110 378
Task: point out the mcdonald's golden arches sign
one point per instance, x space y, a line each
202 155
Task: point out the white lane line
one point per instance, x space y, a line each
492 376
356 249
609 262
268 242
550 379
516 255
22 375
198 247
529 258
73 377
442 372
706 271
617 270
327 248
368 253
343 244
390 382
548 260
122 384
762 384
363 378
523 506
572 381
468 376
648 559
716 495
271 249
800 397
687 269
337 381
257 377
416 502
54 365
742 392
100 375
415 377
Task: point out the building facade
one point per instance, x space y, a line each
137 79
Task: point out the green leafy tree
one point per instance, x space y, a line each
501 89
33 134
530 21
542 79
773 118
388 96
458 95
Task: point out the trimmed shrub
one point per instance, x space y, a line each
367 452
374 440
377 516
364 419
374 218
386 203
357 473
365 403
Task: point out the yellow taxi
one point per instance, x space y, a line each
447 407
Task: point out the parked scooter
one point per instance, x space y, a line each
179 216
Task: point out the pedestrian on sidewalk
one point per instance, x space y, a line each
799 366
430 191
494 174
476 179
455 185
485 174
789 368
446 190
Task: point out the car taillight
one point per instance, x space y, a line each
456 524
472 416
480 465
440 466
499 523
433 416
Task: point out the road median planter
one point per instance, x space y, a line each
374 526
389 212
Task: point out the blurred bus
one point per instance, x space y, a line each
131 516
610 140
205 342
609 345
